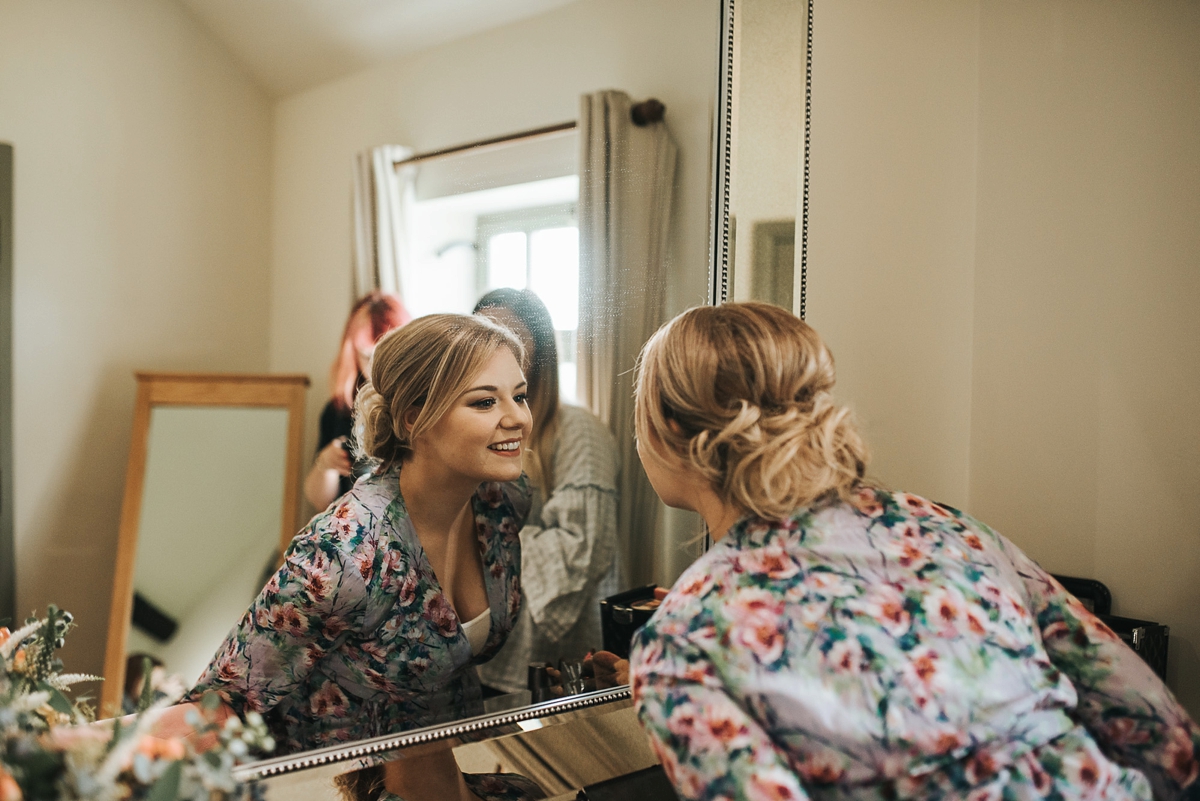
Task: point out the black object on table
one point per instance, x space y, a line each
650 784
620 618
1148 639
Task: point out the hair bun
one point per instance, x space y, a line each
742 392
374 430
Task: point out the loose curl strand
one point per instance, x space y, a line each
741 392
426 365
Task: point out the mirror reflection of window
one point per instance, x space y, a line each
522 236
538 250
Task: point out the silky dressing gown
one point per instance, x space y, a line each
894 648
353 637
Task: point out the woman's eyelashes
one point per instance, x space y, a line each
486 404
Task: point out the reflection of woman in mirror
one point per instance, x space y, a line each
433 776
333 471
387 599
843 639
569 542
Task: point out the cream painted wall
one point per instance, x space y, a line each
524 75
1006 263
141 242
892 228
1085 414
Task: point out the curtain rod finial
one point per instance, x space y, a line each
647 112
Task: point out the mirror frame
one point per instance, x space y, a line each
364 753
723 131
356 755
190 389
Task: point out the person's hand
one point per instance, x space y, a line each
334 457
609 670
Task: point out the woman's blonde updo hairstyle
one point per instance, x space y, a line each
740 392
426 364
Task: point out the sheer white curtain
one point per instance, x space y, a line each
383 195
626 175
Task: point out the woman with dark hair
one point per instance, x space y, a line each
568 559
333 471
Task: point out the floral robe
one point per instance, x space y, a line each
353 638
893 649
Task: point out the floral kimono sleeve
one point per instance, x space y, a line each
1123 704
317 595
709 746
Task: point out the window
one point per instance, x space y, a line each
537 249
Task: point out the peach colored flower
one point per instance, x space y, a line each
1125 731
942 742
972 540
343 522
945 610
885 604
772 561
287 619
1180 756
762 638
329 700
867 502
989 792
711 729
1029 767
773 784
171 749
830 585
914 504
981 767
845 656
9 789
823 767
754 603
365 562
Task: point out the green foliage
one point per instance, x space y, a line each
52 750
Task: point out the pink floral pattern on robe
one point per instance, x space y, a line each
897 649
353 638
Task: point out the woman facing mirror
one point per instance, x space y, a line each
843 638
569 543
433 776
334 469
388 599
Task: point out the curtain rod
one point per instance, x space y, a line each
642 114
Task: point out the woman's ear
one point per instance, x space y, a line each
410 419
673 424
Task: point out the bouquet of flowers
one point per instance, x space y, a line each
51 749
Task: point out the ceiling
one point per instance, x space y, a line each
291 45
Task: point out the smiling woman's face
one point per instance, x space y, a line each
484 434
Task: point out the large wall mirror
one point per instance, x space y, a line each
210 505
994 209
540 185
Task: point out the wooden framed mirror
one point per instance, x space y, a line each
211 501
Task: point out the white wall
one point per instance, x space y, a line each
892 228
1006 264
524 75
1085 417
141 220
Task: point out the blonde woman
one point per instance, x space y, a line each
569 543
843 641
388 599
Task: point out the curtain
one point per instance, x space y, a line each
626 175
383 195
